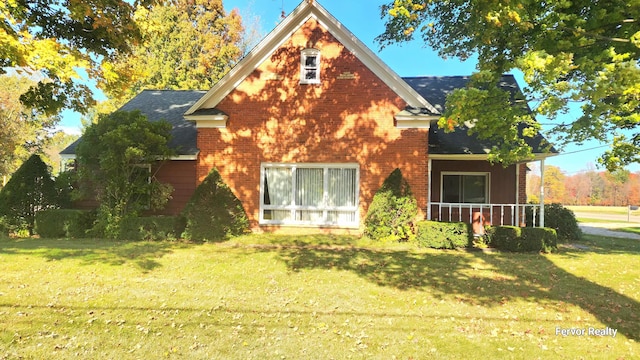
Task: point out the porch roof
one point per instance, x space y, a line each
458 144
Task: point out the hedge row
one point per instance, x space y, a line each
153 228
64 223
442 235
68 223
517 239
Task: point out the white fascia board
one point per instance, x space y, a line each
184 157
208 121
404 121
282 33
66 157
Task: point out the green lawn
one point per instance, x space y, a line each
313 297
632 230
615 210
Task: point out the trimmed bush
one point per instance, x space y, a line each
539 239
64 223
214 213
392 212
559 218
29 190
506 238
442 235
153 228
526 239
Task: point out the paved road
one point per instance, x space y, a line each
606 229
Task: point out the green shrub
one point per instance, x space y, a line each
442 235
539 239
517 239
489 234
392 212
4 227
559 218
214 213
64 187
64 223
153 228
29 190
506 238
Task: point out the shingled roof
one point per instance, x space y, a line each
171 105
436 88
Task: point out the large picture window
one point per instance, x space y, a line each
465 188
309 194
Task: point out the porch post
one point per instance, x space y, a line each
541 224
517 195
429 162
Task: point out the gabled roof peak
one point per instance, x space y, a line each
306 10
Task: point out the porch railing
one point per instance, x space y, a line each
492 214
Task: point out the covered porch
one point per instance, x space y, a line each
467 188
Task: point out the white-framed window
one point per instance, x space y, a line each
310 66
465 187
309 194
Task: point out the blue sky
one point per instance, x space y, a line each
362 18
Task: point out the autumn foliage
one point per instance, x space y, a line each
590 187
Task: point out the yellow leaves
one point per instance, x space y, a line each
493 17
513 16
505 15
541 65
57 58
635 39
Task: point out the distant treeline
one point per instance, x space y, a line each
586 188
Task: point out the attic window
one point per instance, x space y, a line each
310 66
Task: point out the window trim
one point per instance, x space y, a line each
487 186
324 208
303 68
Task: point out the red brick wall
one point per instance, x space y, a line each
347 118
180 175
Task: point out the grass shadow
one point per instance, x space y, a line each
478 278
144 255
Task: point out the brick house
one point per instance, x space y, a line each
309 124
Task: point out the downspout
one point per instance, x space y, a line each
541 224
517 195
429 162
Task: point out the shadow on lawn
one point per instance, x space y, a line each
487 279
142 254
